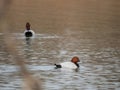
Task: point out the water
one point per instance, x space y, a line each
87 29
99 69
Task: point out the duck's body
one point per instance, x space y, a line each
71 65
28 32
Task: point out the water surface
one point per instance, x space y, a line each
87 29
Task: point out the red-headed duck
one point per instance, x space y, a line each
28 32
71 65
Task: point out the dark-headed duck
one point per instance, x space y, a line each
71 65
28 32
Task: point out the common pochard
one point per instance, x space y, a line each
73 64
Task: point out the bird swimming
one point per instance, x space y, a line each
73 64
28 32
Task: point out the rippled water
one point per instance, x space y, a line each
87 29
99 68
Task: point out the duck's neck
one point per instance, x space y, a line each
77 65
27 28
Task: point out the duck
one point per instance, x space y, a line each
28 32
73 64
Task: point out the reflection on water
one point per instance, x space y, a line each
88 29
99 69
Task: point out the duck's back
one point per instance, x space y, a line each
68 65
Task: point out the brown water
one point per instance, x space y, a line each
88 29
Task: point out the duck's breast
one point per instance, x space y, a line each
29 33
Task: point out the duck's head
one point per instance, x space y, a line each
27 26
75 59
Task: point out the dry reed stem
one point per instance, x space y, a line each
30 82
